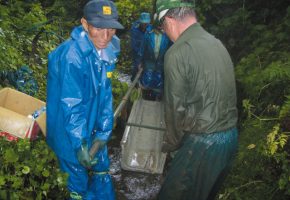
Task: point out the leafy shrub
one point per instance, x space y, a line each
29 170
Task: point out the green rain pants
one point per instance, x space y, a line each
200 166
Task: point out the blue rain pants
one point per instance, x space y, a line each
82 186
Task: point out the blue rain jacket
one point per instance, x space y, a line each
79 95
152 54
137 38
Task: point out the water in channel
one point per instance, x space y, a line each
130 185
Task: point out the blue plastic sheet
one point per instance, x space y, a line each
22 79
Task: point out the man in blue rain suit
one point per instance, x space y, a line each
152 54
79 101
137 32
200 106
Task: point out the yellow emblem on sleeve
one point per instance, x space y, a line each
109 74
107 10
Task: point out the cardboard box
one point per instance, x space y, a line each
16 109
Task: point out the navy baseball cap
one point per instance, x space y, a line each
102 14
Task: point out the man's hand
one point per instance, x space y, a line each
84 156
97 144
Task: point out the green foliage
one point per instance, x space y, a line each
125 60
285 110
256 33
10 57
29 170
265 143
119 89
255 173
28 33
260 81
130 10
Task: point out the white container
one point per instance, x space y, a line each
142 138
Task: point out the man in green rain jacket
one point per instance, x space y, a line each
200 106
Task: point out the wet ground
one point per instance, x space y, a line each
130 185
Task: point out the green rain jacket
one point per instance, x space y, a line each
199 90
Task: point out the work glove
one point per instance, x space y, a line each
84 156
96 145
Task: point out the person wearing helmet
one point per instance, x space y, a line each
200 106
79 101
137 32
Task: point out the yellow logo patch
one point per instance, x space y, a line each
107 10
109 74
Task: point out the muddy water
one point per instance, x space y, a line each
131 185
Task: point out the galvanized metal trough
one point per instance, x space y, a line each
142 138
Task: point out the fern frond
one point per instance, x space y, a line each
285 109
276 71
